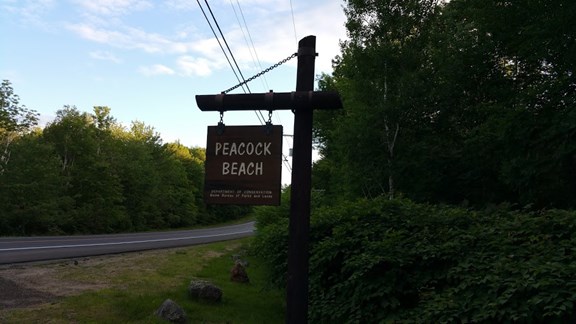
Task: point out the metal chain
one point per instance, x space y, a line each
269 117
261 73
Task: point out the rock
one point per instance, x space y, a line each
238 273
237 259
172 312
204 290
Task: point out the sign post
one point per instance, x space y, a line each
299 226
302 102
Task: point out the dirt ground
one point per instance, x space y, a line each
24 285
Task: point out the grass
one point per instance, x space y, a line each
135 288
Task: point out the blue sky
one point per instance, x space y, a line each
147 59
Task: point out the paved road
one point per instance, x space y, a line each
41 248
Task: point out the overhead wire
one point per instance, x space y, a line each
239 78
250 45
285 160
217 39
226 43
293 22
259 114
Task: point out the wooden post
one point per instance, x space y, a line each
303 101
298 254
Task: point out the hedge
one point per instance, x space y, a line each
398 261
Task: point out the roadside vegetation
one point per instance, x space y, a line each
446 188
129 288
386 261
85 173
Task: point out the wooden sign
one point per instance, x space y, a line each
243 165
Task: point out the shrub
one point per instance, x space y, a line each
380 260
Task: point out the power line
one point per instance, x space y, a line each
259 114
226 43
252 42
251 48
285 160
293 22
233 58
217 39
224 51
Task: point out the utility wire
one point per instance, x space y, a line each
251 49
293 22
255 53
233 58
252 42
217 39
226 43
258 113
260 117
285 160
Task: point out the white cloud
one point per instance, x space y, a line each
29 11
156 69
114 7
181 4
191 66
272 35
130 38
97 35
105 56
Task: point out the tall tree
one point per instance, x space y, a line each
15 119
459 101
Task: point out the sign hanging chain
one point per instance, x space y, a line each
269 123
261 73
221 126
269 117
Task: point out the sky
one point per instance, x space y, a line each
147 59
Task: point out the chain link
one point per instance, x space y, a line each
261 73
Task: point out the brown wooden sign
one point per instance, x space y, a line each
243 165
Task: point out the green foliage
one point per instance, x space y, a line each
13 116
394 260
32 192
272 239
84 173
461 102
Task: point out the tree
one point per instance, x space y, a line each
15 119
87 162
466 101
32 192
376 75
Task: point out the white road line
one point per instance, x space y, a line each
119 243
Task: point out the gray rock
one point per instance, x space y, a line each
204 290
172 312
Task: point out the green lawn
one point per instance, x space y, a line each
134 287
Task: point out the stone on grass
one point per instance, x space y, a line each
172 312
237 259
204 290
238 273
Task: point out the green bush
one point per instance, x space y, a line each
386 261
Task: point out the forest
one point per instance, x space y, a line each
86 173
446 191
469 102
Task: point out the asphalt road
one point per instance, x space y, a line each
42 248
